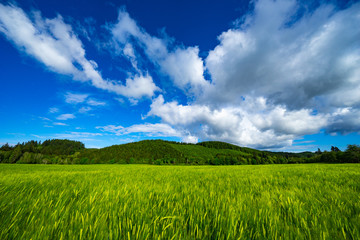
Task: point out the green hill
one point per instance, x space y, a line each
163 152
138 152
166 152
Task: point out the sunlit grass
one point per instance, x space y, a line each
313 201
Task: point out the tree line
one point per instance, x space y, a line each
56 151
49 151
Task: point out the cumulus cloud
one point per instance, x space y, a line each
281 73
186 69
345 121
276 76
254 123
313 61
137 87
182 64
65 116
54 43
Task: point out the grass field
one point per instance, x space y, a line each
313 201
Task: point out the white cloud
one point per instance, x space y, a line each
183 65
120 100
60 123
269 75
151 130
45 118
85 109
158 129
190 139
254 123
133 102
296 65
53 110
137 87
37 136
77 135
125 27
281 73
129 52
35 38
75 98
186 69
65 116
54 43
94 102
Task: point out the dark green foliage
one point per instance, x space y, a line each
166 152
223 145
16 154
352 154
161 152
5 156
31 146
335 149
139 152
61 147
84 160
328 157
6 147
29 157
50 151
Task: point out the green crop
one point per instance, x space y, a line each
313 201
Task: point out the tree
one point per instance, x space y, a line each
16 154
6 147
318 151
329 157
61 147
352 154
335 149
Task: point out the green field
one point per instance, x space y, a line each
312 201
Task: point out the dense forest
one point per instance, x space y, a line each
164 152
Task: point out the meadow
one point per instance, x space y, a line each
294 201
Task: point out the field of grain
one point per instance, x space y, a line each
313 201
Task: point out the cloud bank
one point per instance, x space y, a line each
280 73
272 79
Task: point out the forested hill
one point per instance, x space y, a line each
163 152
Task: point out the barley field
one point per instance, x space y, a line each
312 201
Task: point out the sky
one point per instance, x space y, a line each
272 75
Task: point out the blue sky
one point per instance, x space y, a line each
278 75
